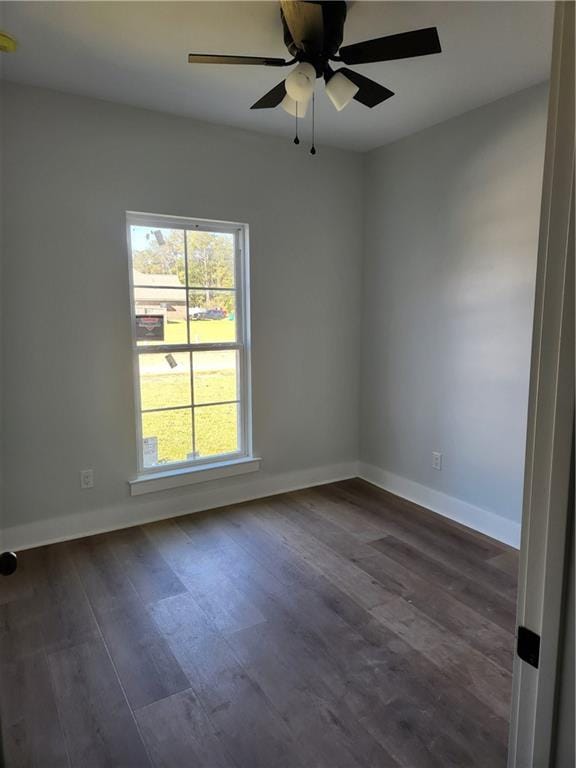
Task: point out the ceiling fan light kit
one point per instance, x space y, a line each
300 82
313 35
340 90
295 108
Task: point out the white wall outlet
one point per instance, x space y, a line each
436 460
87 478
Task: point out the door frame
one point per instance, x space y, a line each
550 422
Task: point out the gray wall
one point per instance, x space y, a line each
73 166
448 218
451 227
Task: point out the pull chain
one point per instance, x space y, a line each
296 139
313 148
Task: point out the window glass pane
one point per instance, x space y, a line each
160 316
158 256
215 376
212 316
210 259
164 380
216 429
185 293
167 436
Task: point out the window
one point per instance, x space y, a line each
189 314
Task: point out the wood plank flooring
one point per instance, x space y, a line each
335 627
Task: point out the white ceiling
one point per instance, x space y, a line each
135 53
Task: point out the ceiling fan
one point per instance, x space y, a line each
313 33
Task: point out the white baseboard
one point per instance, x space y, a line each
495 526
139 510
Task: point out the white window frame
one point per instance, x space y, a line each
242 346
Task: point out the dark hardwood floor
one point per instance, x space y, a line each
336 627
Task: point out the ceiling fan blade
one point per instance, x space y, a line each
305 23
370 93
420 42
206 58
272 98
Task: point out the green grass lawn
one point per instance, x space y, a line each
214 381
215 431
201 331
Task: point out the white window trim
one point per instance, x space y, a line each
175 478
241 461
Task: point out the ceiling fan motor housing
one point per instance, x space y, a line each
313 31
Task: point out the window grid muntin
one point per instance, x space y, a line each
191 354
215 288
184 407
243 430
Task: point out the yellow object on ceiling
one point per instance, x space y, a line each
7 43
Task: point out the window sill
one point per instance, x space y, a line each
174 478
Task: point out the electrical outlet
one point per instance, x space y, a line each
87 478
436 460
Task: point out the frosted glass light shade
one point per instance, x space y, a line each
340 90
300 82
289 105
